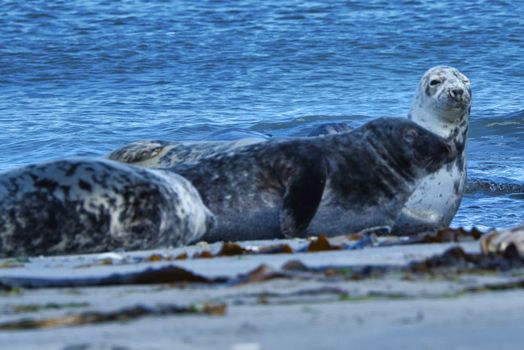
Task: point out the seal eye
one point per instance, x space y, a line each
434 82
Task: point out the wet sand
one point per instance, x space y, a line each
322 300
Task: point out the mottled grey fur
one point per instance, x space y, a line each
163 154
329 129
334 184
87 206
442 104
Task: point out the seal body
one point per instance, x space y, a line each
164 154
442 104
334 184
329 129
87 206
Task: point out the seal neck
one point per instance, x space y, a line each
454 129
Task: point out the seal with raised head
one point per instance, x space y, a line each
88 206
442 105
332 185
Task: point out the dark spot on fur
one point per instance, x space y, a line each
456 187
460 162
86 186
48 184
72 169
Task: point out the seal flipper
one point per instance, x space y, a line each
304 190
409 223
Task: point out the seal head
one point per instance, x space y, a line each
442 102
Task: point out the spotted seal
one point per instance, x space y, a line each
167 154
442 104
330 128
332 185
86 206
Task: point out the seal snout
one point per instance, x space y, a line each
458 97
456 93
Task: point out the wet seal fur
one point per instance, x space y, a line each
87 206
332 185
164 154
442 105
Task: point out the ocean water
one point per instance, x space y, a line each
81 78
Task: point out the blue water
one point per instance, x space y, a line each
81 78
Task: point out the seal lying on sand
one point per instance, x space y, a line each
335 184
87 206
442 104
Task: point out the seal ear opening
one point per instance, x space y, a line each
304 190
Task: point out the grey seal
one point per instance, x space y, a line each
329 129
167 154
442 104
86 206
333 185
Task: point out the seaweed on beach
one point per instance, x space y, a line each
167 274
453 260
122 315
321 244
205 254
461 261
23 308
452 235
259 274
445 235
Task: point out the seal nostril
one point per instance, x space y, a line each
457 92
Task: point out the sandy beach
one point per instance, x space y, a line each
371 297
